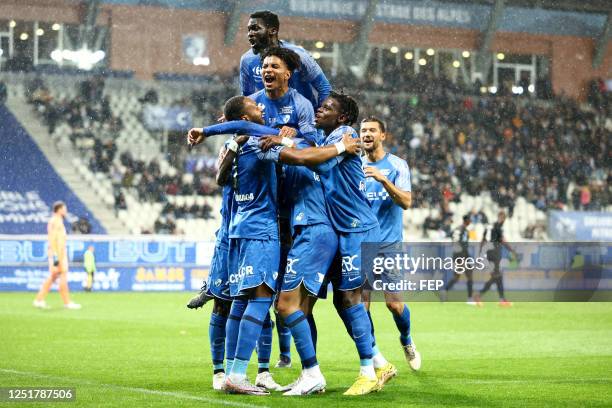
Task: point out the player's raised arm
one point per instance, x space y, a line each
311 156
399 196
241 127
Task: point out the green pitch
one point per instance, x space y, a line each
149 350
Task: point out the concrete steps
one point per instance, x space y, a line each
61 160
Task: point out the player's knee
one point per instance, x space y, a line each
395 307
222 307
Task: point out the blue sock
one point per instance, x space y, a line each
347 323
372 332
361 331
264 345
240 366
284 337
216 335
313 331
300 330
250 329
231 330
403 325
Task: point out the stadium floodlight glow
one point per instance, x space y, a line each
55 27
316 55
531 88
422 61
394 50
12 23
483 89
201 61
493 89
83 58
465 54
409 55
430 52
1 52
456 64
517 90
500 56
40 32
56 55
319 44
24 36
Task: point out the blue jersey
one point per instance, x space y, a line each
305 192
389 214
309 80
227 209
292 109
344 187
254 182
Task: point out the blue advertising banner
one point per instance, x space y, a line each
580 226
29 185
134 264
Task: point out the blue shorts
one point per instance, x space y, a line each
251 263
217 282
314 248
353 274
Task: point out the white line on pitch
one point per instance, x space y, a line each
133 389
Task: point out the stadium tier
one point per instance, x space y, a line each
467 154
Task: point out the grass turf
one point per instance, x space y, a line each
148 350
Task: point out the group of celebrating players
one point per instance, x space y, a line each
298 202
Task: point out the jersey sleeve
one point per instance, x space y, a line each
306 120
241 127
335 137
314 75
246 87
402 181
271 155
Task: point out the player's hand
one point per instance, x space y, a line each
352 144
268 142
221 119
287 131
195 136
241 139
373 172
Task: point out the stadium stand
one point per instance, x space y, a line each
438 126
28 182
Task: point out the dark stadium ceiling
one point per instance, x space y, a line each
591 6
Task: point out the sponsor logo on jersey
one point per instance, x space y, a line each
242 272
244 197
257 72
377 195
286 110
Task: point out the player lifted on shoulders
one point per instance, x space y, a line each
309 80
389 192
